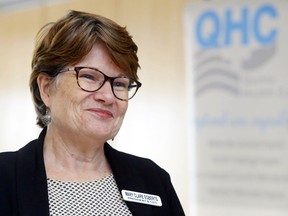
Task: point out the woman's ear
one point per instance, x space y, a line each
44 82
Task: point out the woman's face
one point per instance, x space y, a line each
97 115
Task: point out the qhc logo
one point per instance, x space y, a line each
214 31
233 45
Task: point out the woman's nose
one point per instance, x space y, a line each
105 93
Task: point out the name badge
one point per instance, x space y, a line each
142 198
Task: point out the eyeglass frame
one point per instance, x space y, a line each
76 69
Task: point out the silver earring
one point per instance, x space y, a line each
47 118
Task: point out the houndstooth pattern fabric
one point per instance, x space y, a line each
97 198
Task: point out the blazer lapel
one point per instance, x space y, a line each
31 179
128 178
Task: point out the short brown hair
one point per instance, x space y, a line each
68 40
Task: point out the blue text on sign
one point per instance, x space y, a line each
248 25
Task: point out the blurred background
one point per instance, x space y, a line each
212 109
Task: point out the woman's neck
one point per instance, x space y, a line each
69 159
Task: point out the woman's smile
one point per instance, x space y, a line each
103 113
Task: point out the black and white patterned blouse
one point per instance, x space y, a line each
96 198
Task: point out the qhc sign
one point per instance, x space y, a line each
214 29
241 38
236 62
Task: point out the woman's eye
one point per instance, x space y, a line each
119 84
88 76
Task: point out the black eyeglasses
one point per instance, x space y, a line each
91 79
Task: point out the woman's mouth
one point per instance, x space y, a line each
105 114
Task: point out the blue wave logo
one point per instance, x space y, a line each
215 73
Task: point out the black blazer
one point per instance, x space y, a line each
23 182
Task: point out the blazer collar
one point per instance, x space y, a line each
128 177
32 180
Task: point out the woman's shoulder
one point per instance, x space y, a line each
131 162
8 162
7 158
10 158
126 157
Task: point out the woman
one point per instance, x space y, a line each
84 71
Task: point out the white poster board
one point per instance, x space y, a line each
237 77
